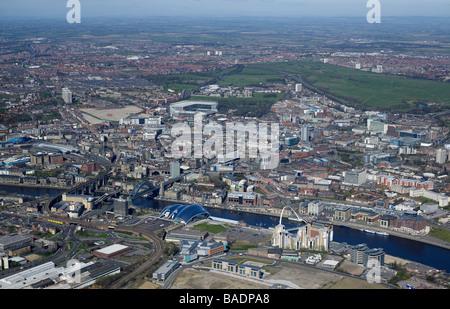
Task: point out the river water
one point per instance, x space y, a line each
396 246
408 249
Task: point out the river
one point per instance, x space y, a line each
417 251
404 248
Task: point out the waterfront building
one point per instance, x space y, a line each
374 256
358 254
242 198
184 213
312 236
361 254
410 223
342 213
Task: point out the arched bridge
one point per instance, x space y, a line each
141 189
295 213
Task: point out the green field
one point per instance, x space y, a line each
251 77
361 89
364 89
440 233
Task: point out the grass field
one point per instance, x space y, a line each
250 77
356 88
440 233
364 89
211 228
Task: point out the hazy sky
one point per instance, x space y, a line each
276 8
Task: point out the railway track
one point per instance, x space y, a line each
159 250
158 245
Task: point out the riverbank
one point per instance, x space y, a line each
31 186
421 238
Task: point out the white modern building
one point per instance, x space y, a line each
442 199
67 95
441 156
312 236
355 177
74 275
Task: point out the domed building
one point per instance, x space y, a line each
184 213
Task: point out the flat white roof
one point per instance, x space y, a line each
330 263
111 249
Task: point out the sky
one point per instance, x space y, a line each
223 8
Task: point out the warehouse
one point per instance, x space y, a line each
14 241
112 251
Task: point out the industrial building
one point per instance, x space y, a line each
18 159
55 148
112 251
14 241
86 200
75 275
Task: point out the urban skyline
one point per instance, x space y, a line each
228 145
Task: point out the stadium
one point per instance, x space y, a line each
187 109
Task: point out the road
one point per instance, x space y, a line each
139 271
68 233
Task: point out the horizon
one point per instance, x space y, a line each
223 8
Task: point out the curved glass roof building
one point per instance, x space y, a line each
184 213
